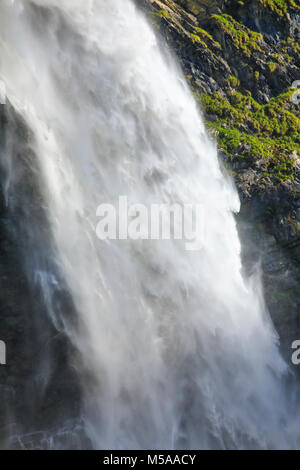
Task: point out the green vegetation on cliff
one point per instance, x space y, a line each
279 6
245 80
242 37
269 132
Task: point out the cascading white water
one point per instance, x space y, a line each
175 347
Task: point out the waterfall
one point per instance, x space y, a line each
175 348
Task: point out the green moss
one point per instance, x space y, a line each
271 119
195 37
242 37
204 38
272 132
290 46
207 38
272 66
156 17
204 33
233 81
276 160
283 59
159 14
280 7
162 14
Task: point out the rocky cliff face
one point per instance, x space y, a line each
242 58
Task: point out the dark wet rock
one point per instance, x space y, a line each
39 387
